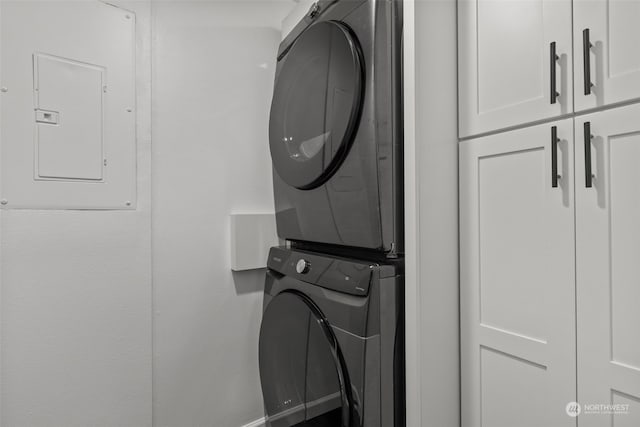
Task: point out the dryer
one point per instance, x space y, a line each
331 342
335 129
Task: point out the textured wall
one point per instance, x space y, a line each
214 64
76 300
76 286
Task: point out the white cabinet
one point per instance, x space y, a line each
606 38
518 278
550 291
537 291
608 267
508 72
506 63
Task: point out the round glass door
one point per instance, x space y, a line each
301 368
316 105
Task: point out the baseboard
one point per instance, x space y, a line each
256 423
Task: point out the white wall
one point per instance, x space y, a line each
437 108
76 301
76 294
432 213
214 65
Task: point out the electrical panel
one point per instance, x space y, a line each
67 106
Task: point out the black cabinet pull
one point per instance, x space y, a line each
554 157
586 53
553 59
587 155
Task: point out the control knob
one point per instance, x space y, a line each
302 267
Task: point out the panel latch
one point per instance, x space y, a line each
47 117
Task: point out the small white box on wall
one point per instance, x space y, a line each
251 237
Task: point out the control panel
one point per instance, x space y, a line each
340 274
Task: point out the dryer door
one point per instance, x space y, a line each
302 369
316 104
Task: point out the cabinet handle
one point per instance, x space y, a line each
586 53
587 155
553 59
554 157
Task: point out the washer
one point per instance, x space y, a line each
335 130
331 342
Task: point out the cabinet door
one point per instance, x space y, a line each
607 53
517 279
505 62
608 266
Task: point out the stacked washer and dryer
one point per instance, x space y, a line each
331 349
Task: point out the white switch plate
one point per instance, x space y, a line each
251 237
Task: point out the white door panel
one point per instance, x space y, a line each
613 59
505 62
608 267
517 279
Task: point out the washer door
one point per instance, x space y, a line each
316 105
302 370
